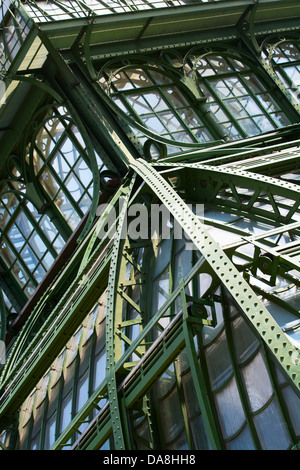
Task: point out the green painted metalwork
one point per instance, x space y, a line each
3 317
141 348
113 315
101 223
251 306
79 300
138 343
199 382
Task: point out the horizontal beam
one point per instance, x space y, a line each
164 24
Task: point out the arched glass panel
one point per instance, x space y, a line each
36 220
62 166
238 100
284 56
29 240
151 97
237 97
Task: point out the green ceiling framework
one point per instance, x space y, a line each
81 81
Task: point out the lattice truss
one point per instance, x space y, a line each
230 254
248 271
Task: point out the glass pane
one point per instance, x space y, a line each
171 417
190 395
154 124
166 382
160 291
292 402
271 428
179 444
82 390
219 362
257 382
139 105
200 438
162 257
138 78
244 340
37 244
242 442
175 96
230 409
100 369
50 432
183 265
66 411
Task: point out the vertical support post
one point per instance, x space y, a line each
110 331
199 382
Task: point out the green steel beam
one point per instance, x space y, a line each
213 178
95 427
253 309
136 25
113 315
65 318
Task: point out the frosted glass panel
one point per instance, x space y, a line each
244 340
166 381
219 362
190 395
180 444
82 390
199 434
230 409
242 442
50 432
257 382
171 417
271 428
293 404
66 411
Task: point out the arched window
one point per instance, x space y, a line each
29 240
61 165
283 55
196 98
239 99
38 218
151 97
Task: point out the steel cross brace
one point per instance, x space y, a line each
252 308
